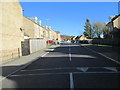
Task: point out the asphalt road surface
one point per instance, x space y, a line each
67 66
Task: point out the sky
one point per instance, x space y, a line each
69 17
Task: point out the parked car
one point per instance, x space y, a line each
62 42
50 42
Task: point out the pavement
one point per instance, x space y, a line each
13 65
67 66
108 51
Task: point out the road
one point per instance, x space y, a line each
67 66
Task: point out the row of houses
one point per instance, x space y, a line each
77 39
33 29
16 28
73 39
113 27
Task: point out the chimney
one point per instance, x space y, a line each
39 22
49 27
34 19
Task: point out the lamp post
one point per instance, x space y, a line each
23 12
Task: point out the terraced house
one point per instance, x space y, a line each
32 28
12 30
51 34
16 28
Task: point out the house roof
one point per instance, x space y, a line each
108 23
78 37
57 31
112 20
73 37
115 17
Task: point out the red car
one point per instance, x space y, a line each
50 42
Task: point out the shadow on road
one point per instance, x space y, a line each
59 62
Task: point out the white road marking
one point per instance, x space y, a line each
22 67
65 73
84 69
71 82
18 70
111 68
50 49
104 56
21 75
45 54
70 55
51 69
106 72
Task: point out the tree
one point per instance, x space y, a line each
98 28
106 32
88 30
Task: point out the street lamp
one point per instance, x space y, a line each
23 12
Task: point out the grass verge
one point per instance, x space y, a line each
101 45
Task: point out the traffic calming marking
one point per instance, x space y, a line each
84 69
111 68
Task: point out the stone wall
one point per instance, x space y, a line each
28 26
11 33
33 29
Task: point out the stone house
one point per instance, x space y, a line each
51 34
12 30
113 26
58 36
32 28
15 28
